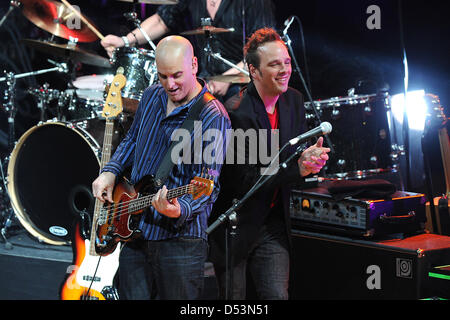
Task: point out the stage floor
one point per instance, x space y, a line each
32 270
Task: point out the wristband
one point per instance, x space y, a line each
137 42
125 41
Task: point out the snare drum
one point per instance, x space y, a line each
50 174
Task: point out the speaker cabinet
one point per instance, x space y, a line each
332 267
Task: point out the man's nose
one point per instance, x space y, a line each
170 82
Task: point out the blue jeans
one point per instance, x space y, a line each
268 265
173 268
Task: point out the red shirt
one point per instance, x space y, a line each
273 119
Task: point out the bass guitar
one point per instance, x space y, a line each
116 221
92 275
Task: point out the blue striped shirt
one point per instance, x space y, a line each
145 145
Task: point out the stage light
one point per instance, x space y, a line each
416 108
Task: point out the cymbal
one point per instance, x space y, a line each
57 19
68 51
231 78
206 29
152 1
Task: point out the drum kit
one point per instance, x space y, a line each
51 167
362 139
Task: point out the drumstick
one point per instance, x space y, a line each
90 26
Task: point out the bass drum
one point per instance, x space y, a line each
50 174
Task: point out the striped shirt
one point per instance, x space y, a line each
145 145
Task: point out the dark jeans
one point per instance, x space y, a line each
268 265
174 266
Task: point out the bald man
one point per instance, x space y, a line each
172 251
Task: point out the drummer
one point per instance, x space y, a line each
223 14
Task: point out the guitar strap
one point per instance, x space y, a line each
167 164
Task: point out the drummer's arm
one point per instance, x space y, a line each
221 88
155 28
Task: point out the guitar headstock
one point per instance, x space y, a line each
202 186
113 104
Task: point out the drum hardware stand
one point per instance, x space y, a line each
45 95
60 67
132 16
9 97
12 6
11 81
8 213
217 56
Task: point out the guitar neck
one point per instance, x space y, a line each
146 201
105 157
107 143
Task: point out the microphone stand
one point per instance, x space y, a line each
231 217
308 93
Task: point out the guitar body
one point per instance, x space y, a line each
92 275
84 283
118 224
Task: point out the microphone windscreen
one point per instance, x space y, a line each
326 127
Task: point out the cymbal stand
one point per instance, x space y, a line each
9 97
60 67
132 16
217 56
12 6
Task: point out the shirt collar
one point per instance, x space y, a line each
186 106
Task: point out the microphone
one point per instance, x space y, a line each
324 128
288 23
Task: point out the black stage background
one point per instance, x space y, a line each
341 51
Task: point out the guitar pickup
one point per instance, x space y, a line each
102 216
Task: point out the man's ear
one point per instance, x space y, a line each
252 70
194 65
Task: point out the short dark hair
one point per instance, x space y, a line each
257 39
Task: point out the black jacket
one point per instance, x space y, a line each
236 179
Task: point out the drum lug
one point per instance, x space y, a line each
397 151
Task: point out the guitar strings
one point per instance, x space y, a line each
123 207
